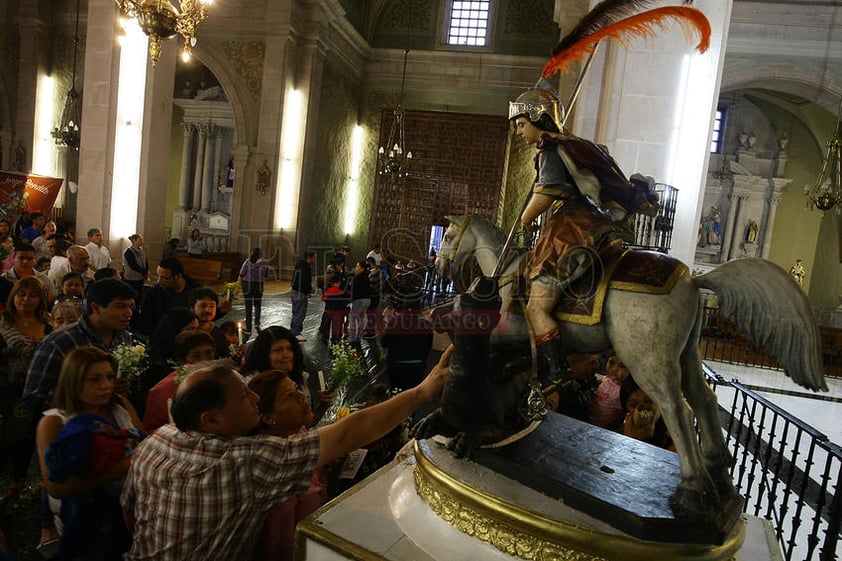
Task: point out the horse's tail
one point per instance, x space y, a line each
766 305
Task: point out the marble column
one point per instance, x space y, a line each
728 227
186 153
774 201
207 170
733 247
99 95
239 200
217 159
198 167
33 60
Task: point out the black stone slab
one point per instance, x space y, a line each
616 479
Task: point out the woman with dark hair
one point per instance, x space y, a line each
252 274
196 244
88 414
23 325
276 348
285 411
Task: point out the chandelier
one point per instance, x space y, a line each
394 157
826 192
161 19
67 132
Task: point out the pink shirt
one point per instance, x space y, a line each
604 409
278 539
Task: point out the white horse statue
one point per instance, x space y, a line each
657 336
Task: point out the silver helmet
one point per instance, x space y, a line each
535 102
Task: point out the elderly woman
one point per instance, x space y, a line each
285 411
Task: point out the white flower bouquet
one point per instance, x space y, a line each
132 360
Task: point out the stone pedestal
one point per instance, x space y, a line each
389 516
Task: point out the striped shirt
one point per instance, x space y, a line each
200 496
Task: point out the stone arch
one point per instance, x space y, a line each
236 96
815 82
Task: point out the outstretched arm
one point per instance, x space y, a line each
369 424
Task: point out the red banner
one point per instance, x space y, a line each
26 193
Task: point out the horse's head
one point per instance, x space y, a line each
453 252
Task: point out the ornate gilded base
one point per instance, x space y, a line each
384 518
525 524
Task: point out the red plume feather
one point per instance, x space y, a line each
644 24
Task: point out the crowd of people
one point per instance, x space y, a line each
218 446
131 462
602 392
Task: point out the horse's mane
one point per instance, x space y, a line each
487 230
490 230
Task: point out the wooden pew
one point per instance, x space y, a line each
208 270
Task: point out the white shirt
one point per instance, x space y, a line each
100 258
378 257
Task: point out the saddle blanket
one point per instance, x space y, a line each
632 271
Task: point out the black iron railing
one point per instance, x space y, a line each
722 342
788 471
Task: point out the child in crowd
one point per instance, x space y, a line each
604 409
191 347
237 348
73 285
66 312
336 301
43 264
643 416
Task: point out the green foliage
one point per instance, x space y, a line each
347 364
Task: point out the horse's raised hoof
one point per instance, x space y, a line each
431 425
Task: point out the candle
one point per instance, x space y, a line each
321 380
240 332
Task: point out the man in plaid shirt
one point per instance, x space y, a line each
201 489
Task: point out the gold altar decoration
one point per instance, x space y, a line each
524 533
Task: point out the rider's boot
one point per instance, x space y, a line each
551 366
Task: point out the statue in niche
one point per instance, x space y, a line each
710 229
751 140
19 161
783 142
751 232
798 272
743 140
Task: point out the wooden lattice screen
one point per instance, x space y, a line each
458 162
